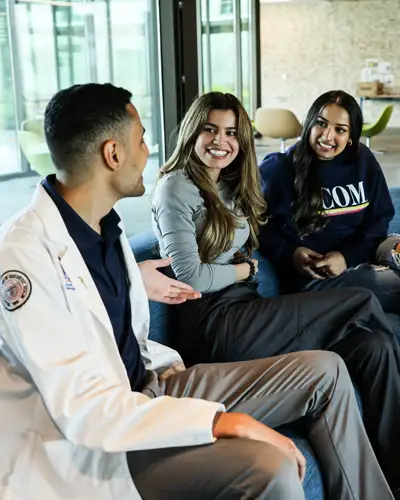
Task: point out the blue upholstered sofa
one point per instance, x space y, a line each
143 246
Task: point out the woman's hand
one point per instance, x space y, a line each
243 270
333 263
304 260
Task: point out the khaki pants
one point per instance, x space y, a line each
310 384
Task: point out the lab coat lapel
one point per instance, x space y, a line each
75 272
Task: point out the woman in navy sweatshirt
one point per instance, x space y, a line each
330 207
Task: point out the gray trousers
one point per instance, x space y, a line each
313 385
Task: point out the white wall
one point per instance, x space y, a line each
310 47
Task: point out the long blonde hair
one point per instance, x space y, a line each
242 175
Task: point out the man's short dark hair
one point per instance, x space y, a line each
79 119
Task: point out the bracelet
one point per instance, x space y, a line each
252 274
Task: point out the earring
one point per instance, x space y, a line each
350 142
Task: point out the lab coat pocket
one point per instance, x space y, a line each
58 469
19 479
76 471
82 474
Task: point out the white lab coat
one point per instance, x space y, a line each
67 414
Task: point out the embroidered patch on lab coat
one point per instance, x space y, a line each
15 289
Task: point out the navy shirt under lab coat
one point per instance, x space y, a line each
105 261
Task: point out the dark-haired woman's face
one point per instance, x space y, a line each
330 133
217 145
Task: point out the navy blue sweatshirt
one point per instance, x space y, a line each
356 199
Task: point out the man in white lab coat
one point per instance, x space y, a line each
92 409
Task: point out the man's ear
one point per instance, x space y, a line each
112 154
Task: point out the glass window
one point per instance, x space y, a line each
222 42
226 6
246 55
9 151
56 44
135 66
227 48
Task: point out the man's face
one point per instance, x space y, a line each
130 178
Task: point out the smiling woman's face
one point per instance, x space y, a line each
217 145
330 133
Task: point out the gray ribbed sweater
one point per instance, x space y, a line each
178 214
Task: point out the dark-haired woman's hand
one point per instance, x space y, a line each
334 263
305 260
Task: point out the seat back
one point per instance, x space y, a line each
277 123
34 125
35 150
394 226
381 123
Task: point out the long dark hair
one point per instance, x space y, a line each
307 205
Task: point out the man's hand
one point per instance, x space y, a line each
333 263
228 425
160 288
304 260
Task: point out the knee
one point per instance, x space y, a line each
384 251
285 482
365 295
369 308
326 368
268 473
377 345
327 375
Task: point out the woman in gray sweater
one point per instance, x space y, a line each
207 208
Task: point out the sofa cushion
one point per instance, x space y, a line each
268 283
394 226
313 483
144 246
